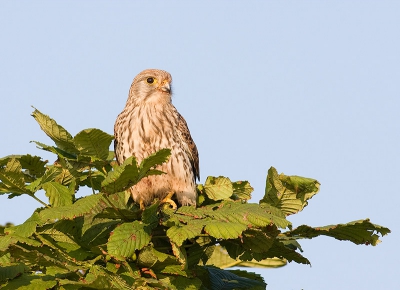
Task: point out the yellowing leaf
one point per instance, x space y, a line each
218 188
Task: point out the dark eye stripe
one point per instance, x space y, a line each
150 80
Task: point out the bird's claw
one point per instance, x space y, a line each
141 204
168 199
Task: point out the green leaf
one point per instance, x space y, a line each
92 179
221 279
95 231
59 195
218 188
242 190
105 241
57 133
280 250
180 254
80 207
5 258
33 164
250 275
150 215
226 221
51 173
31 282
12 178
11 271
6 241
178 234
66 178
358 232
224 230
151 258
94 143
153 160
289 193
185 283
126 238
221 259
65 242
235 212
27 228
122 177
259 241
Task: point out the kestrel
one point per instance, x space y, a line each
148 123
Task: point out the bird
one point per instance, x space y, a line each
150 122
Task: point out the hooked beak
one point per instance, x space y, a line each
165 87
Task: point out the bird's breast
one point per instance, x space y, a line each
149 129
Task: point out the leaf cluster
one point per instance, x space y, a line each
106 241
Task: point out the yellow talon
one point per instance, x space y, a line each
141 204
168 199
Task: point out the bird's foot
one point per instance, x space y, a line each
168 199
141 204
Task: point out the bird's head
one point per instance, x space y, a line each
151 85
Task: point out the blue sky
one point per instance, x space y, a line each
309 87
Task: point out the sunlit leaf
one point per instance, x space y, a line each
12 179
289 193
58 194
27 228
242 190
152 161
127 238
218 188
79 208
178 234
122 177
94 143
57 133
358 232
106 241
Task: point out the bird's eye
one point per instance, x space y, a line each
150 80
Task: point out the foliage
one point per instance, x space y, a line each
105 241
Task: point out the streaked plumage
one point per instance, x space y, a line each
148 123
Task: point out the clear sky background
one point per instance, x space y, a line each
309 87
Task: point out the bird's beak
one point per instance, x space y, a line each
165 87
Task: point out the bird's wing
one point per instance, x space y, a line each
117 145
187 138
116 150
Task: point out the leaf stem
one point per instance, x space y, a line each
40 201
